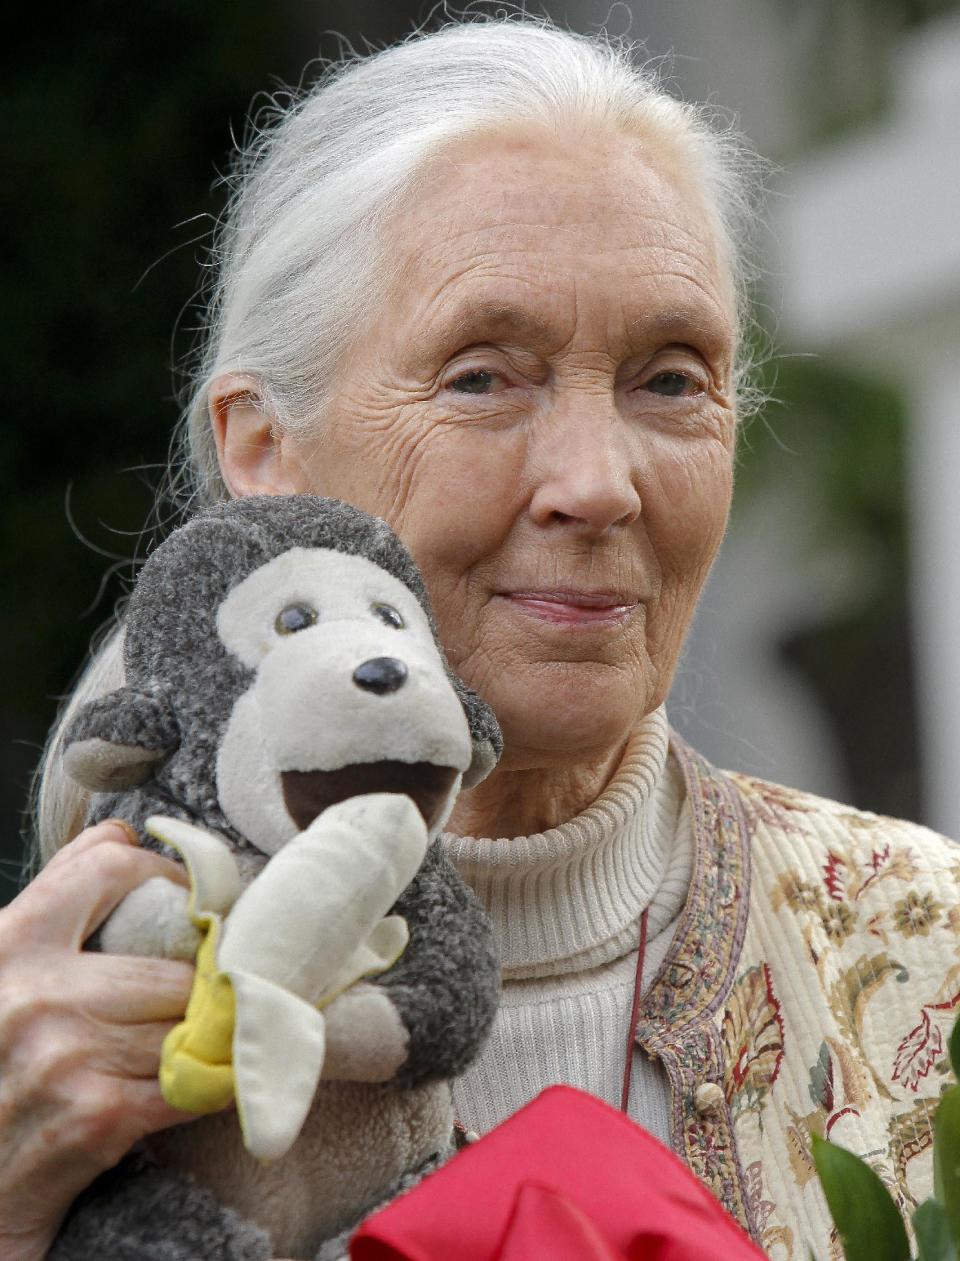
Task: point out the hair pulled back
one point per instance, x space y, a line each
297 253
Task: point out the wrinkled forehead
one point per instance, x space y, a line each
335 586
609 235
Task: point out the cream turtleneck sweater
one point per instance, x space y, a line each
566 907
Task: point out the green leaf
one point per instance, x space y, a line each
932 1228
946 1158
866 1218
954 1045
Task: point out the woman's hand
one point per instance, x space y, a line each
80 1035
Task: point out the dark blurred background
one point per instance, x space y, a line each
117 120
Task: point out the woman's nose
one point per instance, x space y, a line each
584 472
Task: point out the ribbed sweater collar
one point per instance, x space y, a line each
570 898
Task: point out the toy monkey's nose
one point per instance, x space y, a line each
380 675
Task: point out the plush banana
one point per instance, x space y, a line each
311 924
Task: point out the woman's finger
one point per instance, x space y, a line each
68 1048
98 1118
132 1052
153 1112
130 990
71 898
106 830
53 1040
99 1080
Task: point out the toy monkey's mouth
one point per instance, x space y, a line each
307 794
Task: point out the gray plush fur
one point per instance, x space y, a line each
336 1248
159 736
108 1221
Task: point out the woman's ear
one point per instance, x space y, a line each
256 457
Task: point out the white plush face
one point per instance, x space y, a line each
347 676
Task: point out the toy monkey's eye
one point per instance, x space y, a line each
295 617
388 615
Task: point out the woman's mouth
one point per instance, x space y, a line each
573 608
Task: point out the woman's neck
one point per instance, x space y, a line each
523 796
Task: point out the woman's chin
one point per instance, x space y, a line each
582 711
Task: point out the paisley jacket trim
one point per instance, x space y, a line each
676 1024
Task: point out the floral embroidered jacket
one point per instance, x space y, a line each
810 988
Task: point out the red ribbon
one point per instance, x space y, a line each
566 1178
545 1218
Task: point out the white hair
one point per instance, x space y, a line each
59 803
298 252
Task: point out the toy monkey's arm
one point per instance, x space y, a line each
365 1038
446 986
153 920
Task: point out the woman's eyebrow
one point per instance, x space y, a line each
495 318
700 323
479 320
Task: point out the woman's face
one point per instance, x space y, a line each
541 406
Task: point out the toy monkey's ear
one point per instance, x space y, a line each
484 734
117 740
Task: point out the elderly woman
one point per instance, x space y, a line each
489 285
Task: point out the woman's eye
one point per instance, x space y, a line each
671 384
295 617
477 381
388 615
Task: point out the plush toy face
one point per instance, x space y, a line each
349 696
279 657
